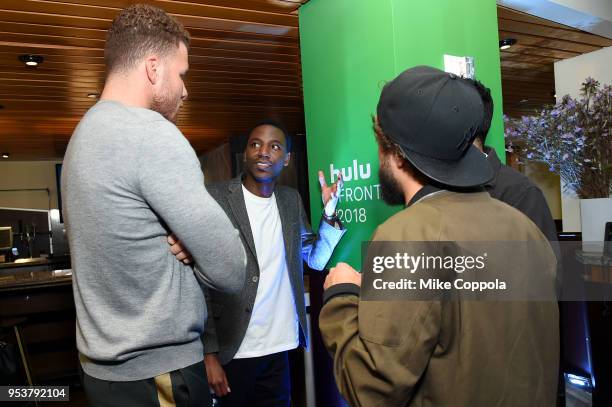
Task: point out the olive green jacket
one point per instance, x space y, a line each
446 352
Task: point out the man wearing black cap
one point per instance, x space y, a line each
442 351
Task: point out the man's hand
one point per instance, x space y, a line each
330 194
178 250
216 375
342 273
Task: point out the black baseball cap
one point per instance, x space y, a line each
434 116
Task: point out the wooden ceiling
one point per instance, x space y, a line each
528 78
244 64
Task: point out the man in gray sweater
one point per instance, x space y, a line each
129 179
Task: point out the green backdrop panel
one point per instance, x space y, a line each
349 50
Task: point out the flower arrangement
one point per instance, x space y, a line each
573 137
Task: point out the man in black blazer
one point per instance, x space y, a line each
248 334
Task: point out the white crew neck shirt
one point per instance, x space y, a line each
273 326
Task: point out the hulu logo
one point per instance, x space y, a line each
350 173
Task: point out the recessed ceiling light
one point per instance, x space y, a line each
93 95
5 155
31 60
506 43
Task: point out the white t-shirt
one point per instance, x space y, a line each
274 324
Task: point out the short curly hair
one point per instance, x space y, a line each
387 145
390 147
138 30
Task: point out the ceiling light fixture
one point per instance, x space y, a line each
5 155
93 95
31 60
506 43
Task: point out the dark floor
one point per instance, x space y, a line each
78 398
577 397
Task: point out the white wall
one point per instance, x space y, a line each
569 75
28 175
592 16
597 8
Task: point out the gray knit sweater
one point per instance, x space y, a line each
129 178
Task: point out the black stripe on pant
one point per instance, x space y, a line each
186 387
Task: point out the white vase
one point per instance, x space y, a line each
594 213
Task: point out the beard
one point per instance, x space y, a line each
390 190
167 104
